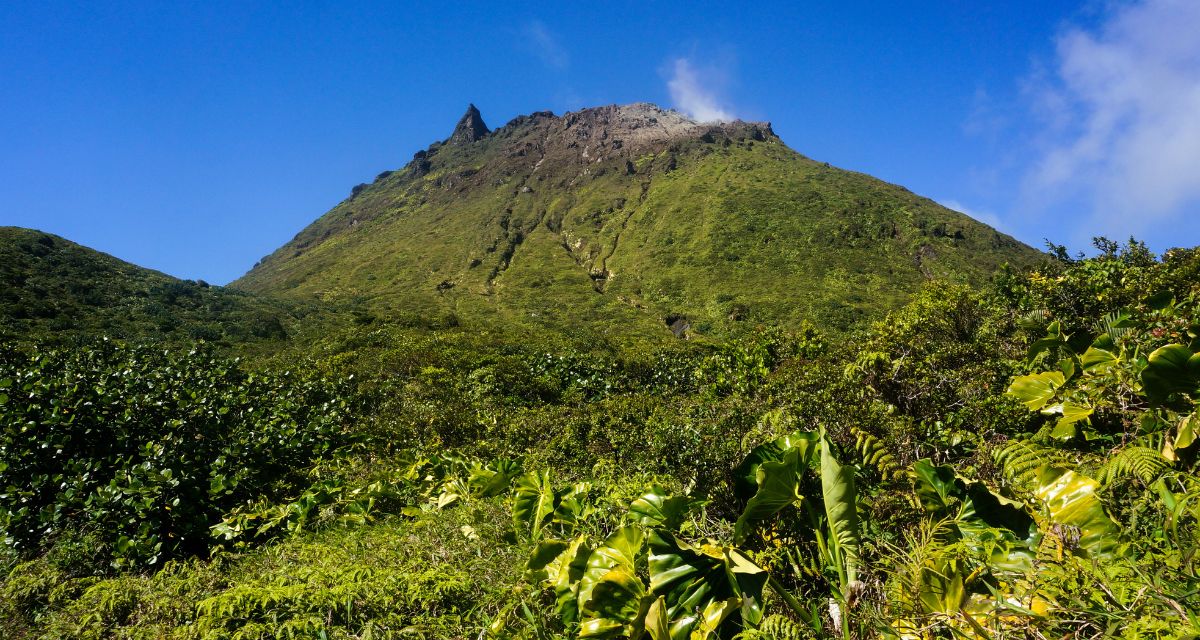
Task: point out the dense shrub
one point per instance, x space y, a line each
145 448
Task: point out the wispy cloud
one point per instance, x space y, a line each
695 93
545 45
986 118
1120 118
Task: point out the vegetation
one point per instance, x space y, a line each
1017 460
52 289
588 226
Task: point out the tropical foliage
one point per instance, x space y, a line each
1016 461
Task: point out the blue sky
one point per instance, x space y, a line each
194 138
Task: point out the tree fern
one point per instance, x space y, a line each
777 627
1116 324
1034 320
1020 459
1144 463
873 452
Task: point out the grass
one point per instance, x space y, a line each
442 575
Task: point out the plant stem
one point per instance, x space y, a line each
791 600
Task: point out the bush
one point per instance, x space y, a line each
146 449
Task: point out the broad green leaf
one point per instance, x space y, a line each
619 550
562 573
935 486
1171 369
544 553
1054 339
657 623
657 508
841 510
1067 367
692 578
446 499
746 474
1072 414
1185 434
533 503
1036 390
494 479
571 506
1096 359
1070 499
778 487
997 511
709 621
941 587
616 607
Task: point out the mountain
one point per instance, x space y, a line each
623 221
51 287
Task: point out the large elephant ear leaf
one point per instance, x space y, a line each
692 579
984 520
778 487
562 572
935 486
1186 432
1169 370
1070 499
708 623
544 553
616 607
943 492
657 508
749 579
746 474
658 625
841 509
620 550
493 479
533 503
999 512
571 505
1036 390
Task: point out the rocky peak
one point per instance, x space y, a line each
469 128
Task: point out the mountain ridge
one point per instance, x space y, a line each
51 287
599 201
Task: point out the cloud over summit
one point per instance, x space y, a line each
694 93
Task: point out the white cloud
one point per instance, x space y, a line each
990 219
694 93
1120 110
543 43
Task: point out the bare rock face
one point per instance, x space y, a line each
588 137
635 126
469 128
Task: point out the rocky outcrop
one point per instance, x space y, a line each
470 127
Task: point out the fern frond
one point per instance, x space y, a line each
1033 320
1143 463
777 627
873 452
1019 459
1115 324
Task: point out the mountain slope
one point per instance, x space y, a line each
52 287
628 220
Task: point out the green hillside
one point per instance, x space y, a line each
623 220
1017 460
53 288
465 413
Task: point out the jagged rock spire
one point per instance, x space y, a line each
469 128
